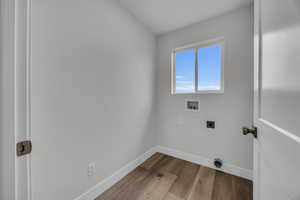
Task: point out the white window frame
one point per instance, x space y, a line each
218 41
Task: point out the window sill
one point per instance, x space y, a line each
198 93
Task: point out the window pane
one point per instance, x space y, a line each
185 72
209 68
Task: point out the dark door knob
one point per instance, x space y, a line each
252 131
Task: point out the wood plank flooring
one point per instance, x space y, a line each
162 177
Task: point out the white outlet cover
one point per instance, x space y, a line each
91 169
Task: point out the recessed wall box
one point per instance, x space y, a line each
192 105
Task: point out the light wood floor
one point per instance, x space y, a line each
163 177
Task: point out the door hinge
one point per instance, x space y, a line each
252 131
24 148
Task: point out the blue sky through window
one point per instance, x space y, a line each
209 69
185 71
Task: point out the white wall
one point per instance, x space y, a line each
92 93
186 131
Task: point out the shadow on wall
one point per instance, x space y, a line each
282 107
284 19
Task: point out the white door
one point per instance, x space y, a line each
277 100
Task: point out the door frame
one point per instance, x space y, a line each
15 119
256 94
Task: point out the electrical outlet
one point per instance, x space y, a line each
211 124
91 169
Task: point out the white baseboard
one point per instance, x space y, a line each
101 187
228 168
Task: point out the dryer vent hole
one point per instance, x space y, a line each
218 163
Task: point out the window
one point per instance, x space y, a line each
198 68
